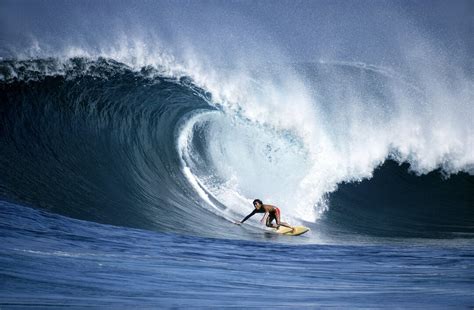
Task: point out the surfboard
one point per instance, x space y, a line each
299 230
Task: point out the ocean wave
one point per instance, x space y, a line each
99 140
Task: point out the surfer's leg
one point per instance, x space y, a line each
270 219
277 217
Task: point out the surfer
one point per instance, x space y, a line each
272 213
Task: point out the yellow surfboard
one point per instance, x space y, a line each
299 230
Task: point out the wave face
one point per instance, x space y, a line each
397 203
98 140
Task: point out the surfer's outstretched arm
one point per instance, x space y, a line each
247 217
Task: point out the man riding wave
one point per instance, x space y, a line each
272 213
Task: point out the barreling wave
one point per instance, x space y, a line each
98 140
95 140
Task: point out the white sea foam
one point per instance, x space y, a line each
426 122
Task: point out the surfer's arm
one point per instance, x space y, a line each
248 216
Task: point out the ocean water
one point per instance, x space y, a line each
49 261
126 155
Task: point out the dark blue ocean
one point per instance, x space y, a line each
133 137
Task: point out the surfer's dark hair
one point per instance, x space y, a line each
257 200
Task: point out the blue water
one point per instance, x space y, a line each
133 137
98 210
49 260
